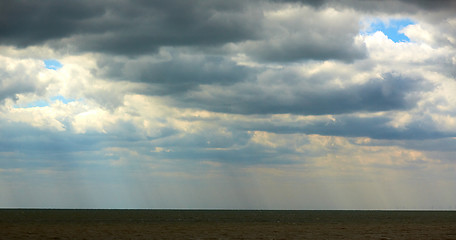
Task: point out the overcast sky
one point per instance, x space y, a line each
228 104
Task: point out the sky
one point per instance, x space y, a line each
262 104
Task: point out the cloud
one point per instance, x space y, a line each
137 28
175 72
126 27
356 126
434 5
31 141
158 103
21 76
290 36
300 95
389 7
26 23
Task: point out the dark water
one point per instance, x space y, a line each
225 224
223 216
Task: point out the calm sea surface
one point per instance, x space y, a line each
225 224
221 216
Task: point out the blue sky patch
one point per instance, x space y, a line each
39 103
45 103
391 28
62 99
52 64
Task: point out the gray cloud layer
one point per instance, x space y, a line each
24 23
176 74
352 126
139 27
398 6
125 27
296 95
185 50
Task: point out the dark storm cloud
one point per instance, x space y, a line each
139 27
24 22
146 26
125 27
178 74
135 28
315 3
432 5
390 6
392 92
302 50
